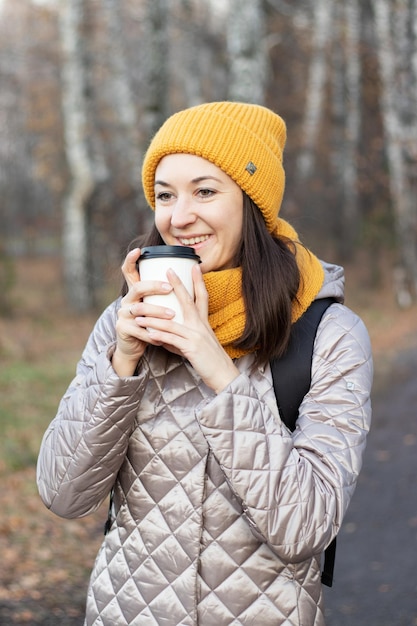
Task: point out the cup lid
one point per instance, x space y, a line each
155 252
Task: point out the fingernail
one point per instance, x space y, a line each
166 287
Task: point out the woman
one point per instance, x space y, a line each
220 514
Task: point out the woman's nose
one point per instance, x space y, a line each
183 213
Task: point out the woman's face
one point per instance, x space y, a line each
198 205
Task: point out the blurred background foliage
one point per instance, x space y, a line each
85 84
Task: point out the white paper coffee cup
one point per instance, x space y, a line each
154 262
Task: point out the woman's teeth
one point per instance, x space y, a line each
193 240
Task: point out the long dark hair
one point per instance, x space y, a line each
270 281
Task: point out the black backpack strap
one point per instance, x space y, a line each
291 376
328 567
109 519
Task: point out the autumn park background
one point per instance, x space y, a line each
83 86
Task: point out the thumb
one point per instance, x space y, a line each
200 292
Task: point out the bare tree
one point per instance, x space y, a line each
246 40
346 72
122 96
155 62
18 200
314 108
82 176
126 65
353 122
396 31
126 135
187 58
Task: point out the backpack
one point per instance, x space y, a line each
291 376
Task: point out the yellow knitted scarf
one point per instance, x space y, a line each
226 307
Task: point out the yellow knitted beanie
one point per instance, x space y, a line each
246 141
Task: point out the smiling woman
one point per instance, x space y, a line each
199 205
219 513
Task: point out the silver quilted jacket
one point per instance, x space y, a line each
220 514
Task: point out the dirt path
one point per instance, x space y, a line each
375 576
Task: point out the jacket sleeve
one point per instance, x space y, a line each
295 488
84 446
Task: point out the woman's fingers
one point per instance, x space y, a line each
179 288
129 267
144 323
200 291
189 304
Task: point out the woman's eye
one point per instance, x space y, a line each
163 196
206 193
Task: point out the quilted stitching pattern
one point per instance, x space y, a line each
219 518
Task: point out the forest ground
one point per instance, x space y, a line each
46 561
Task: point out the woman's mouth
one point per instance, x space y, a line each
192 241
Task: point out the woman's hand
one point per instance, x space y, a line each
132 338
194 339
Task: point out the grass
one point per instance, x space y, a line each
39 346
30 393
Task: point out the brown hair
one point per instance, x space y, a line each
270 281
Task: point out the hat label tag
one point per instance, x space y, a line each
251 168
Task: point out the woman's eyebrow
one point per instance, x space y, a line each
199 179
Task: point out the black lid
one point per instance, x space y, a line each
154 252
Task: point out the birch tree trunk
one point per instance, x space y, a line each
75 205
352 125
189 75
155 60
126 140
246 46
346 116
396 53
123 100
315 89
